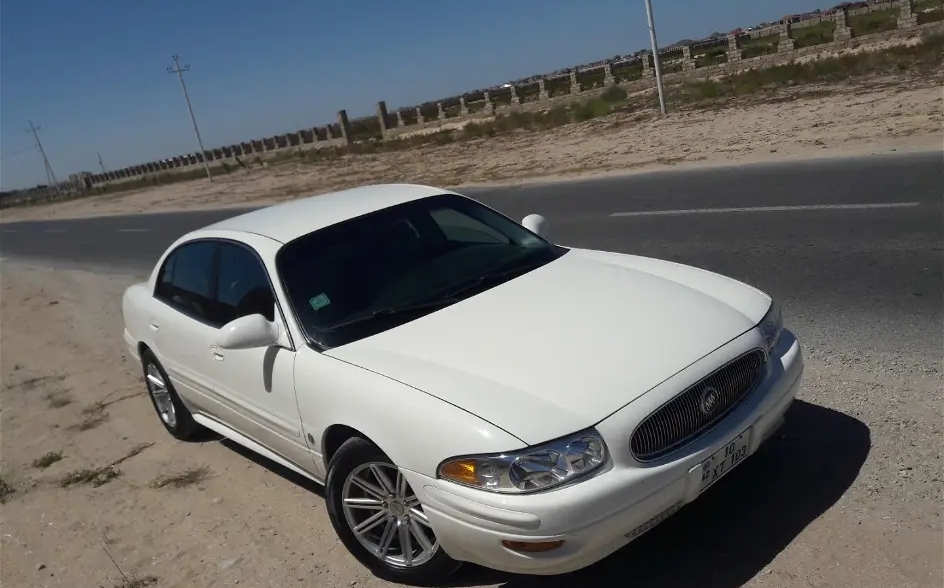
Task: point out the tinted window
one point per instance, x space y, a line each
462 228
374 272
186 280
243 285
166 278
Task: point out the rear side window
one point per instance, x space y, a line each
186 281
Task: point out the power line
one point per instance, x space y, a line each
50 176
180 75
656 62
19 152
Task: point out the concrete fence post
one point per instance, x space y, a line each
542 90
574 83
786 43
687 61
843 31
383 118
608 79
345 125
734 52
907 19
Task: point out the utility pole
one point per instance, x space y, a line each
656 62
50 176
180 75
100 164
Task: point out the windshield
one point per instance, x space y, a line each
375 272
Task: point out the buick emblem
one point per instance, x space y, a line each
709 400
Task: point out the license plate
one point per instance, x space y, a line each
724 460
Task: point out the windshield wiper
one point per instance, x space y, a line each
497 276
392 311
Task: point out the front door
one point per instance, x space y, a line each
257 385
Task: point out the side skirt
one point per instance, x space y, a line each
248 443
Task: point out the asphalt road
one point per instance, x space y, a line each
853 248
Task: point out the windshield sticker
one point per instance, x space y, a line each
318 302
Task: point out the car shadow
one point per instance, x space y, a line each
275 468
730 533
733 531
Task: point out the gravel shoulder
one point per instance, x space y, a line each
803 123
849 496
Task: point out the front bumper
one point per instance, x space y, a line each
625 498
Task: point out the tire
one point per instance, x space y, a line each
431 564
180 424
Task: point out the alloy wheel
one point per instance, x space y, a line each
161 395
385 515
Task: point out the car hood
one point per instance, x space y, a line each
564 346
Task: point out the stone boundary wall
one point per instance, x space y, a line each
706 60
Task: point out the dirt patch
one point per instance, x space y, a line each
798 123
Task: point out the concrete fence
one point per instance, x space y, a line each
775 45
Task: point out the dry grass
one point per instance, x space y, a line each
58 399
6 491
103 475
130 580
94 419
184 479
95 477
101 405
31 383
47 460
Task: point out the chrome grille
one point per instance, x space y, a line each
697 408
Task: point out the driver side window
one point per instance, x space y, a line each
243 285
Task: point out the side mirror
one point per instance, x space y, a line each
537 224
248 332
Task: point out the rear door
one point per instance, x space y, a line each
184 319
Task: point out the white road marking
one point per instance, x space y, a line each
769 209
8 231
133 230
54 230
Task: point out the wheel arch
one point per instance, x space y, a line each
335 436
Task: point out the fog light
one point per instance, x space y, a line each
527 547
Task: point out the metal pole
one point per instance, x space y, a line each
100 164
656 62
39 145
180 75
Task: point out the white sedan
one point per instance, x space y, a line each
465 390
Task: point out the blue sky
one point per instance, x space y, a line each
92 73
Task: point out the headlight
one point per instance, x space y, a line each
532 469
771 325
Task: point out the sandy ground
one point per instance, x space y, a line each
849 496
893 115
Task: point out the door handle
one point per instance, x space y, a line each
217 353
155 327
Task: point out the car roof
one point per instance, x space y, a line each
290 220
